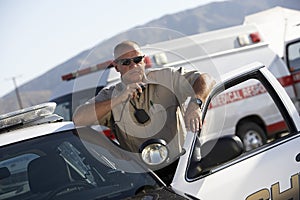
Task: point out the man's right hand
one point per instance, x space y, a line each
131 91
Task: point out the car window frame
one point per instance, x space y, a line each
261 77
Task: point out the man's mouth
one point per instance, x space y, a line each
135 72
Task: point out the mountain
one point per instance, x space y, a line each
201 19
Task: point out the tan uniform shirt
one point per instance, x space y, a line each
165 91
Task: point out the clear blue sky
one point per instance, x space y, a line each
37 35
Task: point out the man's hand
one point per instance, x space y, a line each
131 91
193 120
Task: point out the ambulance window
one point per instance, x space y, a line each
293 53
246 110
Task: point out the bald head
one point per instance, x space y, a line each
125 47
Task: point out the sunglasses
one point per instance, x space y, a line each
127 61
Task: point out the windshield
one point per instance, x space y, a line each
66 166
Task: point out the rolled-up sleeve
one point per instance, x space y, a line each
178 80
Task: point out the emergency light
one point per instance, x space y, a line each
248 39
36 115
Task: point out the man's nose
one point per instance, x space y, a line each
132 64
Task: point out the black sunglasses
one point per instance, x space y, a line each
127 61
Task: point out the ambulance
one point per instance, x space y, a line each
216 52
281 29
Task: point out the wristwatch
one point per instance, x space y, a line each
197 101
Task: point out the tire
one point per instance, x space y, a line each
252 135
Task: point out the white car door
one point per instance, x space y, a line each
268 172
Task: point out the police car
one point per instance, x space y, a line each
43 157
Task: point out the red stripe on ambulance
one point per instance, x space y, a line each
277 127
296 77
250 91
286 81
237 95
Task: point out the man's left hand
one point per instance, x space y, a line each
193 120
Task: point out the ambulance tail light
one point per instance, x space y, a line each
248 39
108 133
148 61
255 37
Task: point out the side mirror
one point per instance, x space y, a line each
213 153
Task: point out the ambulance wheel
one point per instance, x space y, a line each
252 135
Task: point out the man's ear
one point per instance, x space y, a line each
116 66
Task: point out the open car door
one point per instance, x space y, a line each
217 167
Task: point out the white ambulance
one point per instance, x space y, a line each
281 29
216 52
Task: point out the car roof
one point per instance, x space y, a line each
33 131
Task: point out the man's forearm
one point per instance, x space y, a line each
203 85
88 114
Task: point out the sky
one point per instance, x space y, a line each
37 35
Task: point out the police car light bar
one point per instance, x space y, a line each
28 115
